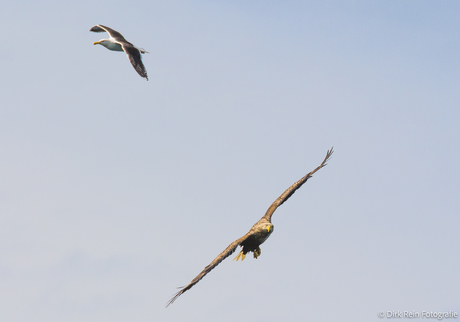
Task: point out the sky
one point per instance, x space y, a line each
114 190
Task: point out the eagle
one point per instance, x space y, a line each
258 233
117 42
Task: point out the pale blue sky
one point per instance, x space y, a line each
114 190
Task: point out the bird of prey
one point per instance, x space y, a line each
117 42
256 235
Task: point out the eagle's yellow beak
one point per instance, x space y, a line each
268 228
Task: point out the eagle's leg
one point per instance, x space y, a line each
241 256
257 252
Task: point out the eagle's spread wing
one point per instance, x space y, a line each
289 192
113 33
227 252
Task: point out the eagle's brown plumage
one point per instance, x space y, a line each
256 235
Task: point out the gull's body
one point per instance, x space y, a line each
255 236
117 42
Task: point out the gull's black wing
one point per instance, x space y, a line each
113 33
134 56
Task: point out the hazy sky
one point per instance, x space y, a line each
115 190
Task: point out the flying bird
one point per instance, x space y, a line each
256 235
117 42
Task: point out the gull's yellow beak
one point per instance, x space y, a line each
96 43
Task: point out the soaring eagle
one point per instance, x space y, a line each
255 236
117 42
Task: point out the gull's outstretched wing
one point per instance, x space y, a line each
227 252
113 33
288 193
134 56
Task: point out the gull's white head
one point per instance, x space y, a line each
109 44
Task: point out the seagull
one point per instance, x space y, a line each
117 42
